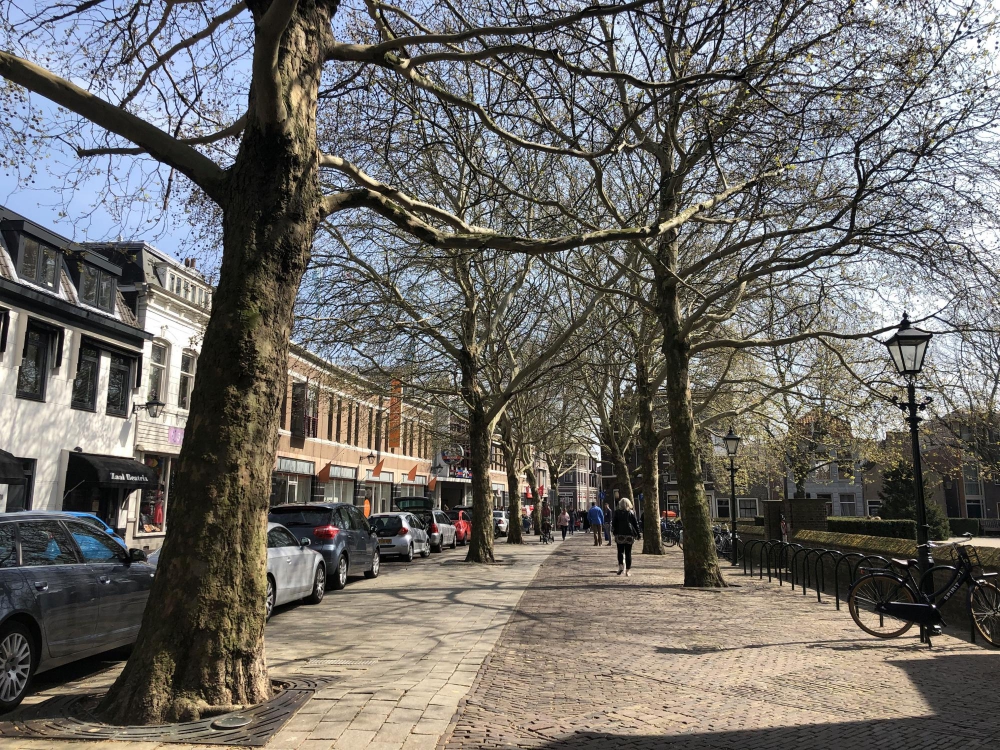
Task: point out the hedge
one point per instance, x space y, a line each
896 528
961 526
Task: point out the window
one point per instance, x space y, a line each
31 376
747 507
970 476
350 422
371 426
821 468
829 502
278 537
722 507
340 407
8 550
45 543
338 491
85 382
874 507
329 418
845 466
119 386
153 501
848 506
95 546
186 382
157 373
39 263
97 287
19 495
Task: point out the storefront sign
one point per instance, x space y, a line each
452 454
175 435
125 477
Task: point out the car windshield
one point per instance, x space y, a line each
453 514
386 524
498 514
299 516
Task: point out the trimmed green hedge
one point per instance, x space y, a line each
896 528
961 526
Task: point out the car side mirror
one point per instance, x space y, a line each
136 555
304 541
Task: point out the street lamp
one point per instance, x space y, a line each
732 442
154 408
907 348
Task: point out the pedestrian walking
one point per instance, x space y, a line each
526 524
626 529
607 523
564 523
596 517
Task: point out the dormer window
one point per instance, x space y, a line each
97 287
39 263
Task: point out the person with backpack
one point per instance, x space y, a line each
625 527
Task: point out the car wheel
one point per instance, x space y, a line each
340 573
437 547
408 557
319 586
426 551
17 661
376 566
454 541
269 599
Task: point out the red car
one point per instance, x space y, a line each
463 524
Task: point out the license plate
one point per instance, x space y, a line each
385 541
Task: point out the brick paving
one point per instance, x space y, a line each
591 660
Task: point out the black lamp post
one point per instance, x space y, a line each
732 441
907 348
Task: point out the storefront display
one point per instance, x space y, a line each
153 502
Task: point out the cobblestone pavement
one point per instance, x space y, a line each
593 660
403 649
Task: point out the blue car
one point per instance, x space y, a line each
96 522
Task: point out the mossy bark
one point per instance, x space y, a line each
201 644
649 450
480 440
515 533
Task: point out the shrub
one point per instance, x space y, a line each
896 528
961 526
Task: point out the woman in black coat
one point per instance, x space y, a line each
625 529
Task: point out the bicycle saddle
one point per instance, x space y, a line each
905 563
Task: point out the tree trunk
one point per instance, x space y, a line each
536 514
480 438
701 566
201 644
514 530
649 455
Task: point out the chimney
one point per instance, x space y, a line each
193 261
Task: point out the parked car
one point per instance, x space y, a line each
337 531
400 534
440 530
500 524
68 590
294 571
97 522
462 519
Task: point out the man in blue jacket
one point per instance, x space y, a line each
596 517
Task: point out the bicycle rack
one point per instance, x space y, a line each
820 571
845 557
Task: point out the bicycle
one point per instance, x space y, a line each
886 605
670 534
723 542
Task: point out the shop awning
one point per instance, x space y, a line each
11 470
111 471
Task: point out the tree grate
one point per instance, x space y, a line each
343 662
64 717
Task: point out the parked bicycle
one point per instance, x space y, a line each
723 541
886 605
671 534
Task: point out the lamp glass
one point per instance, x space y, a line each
732 441
907 347
155 408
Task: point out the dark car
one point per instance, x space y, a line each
339 532
67 591
440 529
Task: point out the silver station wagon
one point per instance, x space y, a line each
68 590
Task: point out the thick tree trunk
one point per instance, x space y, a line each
701 565
514 530
536 514
201 645
649 450
481 543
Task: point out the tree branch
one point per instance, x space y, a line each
228 132
270 106
198 168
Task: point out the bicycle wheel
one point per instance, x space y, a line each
669 540
984 608
878 588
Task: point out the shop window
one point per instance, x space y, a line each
185 383
338 491
158 359
153 500
39 263
119 386
31 377
19 495
97 287
85 383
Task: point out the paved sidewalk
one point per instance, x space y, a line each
593 660
406 648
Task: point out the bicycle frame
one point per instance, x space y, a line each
925 610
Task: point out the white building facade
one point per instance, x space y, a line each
71 368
